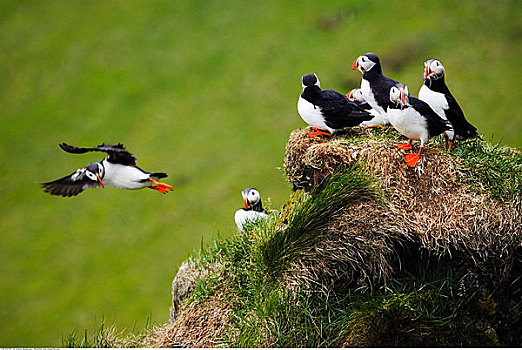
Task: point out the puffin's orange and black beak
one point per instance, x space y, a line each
247 205
403 99
427 72
356 65
100 181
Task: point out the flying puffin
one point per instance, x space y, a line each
414 119
252 210
375 87
355 96
326 110
118 169
435 93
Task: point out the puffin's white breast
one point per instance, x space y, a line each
312 114
124 176
370 98
242 216
409 123
435 100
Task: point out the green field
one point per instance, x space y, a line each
205 91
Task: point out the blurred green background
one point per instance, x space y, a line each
206 91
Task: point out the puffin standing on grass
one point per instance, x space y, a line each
118 169
326 110
375 87
355 96
414 119
252 210
435 93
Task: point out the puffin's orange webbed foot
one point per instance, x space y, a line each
160 186
374 126
404 146
412 159
317 132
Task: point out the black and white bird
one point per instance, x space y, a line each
414 119
355 96
435 93
327 111
118 169
252 210
375 87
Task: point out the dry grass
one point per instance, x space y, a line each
199 325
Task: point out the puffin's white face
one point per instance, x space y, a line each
94 171
356 96
251 197
433 69
399 96
363 64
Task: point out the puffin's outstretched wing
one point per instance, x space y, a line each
70 185
116 154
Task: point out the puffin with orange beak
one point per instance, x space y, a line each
252 210
435 93
118 169
375 87
414 119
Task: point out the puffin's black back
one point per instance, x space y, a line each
338 111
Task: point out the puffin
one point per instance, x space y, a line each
327 111
375 87
378 120
435 93
252 210
118 169
414 119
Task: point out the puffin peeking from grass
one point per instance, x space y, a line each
118 169
327 111
414 119
252 210
435 93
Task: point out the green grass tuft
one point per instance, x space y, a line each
312 217
490 168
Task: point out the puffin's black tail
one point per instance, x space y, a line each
156 176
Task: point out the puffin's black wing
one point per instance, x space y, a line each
70 185
436 125
456 117
339 112
116 154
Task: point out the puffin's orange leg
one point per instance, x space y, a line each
317 132
404 146
160 186
413 158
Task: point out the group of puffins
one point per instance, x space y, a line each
381 101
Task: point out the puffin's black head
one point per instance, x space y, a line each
399 96
252 199
310 80
366 62
95 172
433 70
